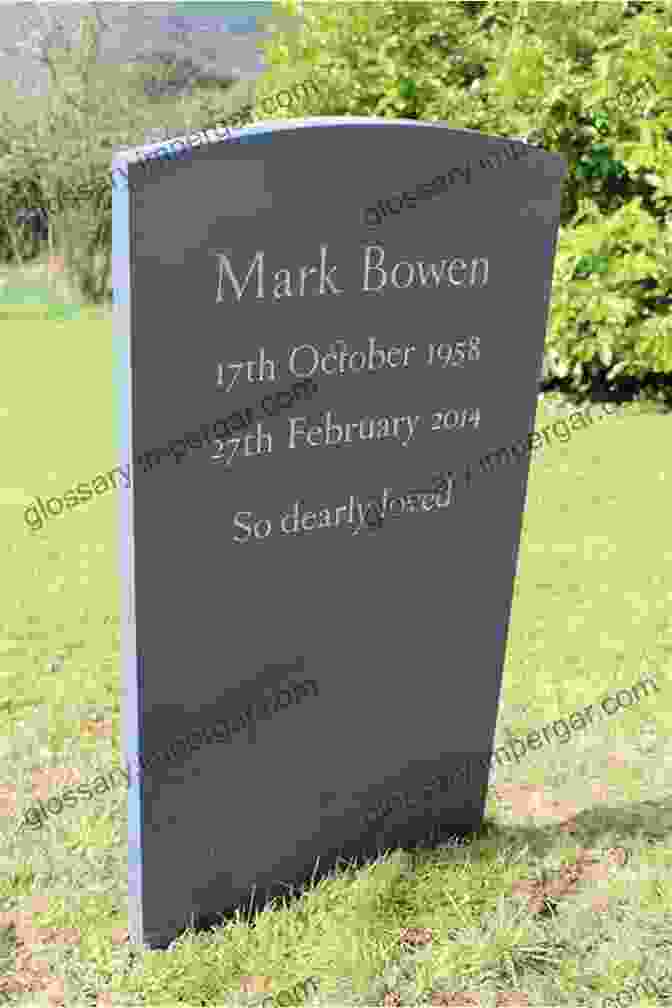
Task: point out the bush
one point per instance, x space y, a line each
587 80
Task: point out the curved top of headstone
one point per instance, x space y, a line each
133 155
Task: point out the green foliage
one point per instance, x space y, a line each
599 310
588 80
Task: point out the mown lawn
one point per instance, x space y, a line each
592 614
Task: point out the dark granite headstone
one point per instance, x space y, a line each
320 330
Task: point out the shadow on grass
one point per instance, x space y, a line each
649 820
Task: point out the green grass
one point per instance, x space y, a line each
591 614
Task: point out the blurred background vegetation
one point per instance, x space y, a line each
592 81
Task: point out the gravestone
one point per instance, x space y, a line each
320 330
